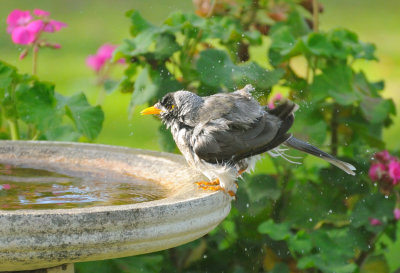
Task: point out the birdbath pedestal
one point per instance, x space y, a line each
52 239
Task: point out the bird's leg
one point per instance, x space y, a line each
203 184
214 186
240 172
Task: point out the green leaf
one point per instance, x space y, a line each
310 123
376 206
376 110
110 86
139 24
216 69
166 45
336 82
275 231
374 264
62 133
297 23
87 119
37 105
147 87
254 74
346 43
140 264
7 75
257 192
151 85
300 243
318 44
311 203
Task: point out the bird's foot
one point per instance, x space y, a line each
214 186
203 184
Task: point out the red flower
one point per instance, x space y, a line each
394 171
103 55
396 213
376 171
375 222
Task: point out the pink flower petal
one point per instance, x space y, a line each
41 13
22 36
376 171
396 213
18 18
54 26
394 171
375 222
35 26
6 186
106 51
383 156
94 62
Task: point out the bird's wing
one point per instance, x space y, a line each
237 131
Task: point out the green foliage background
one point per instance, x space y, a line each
323 226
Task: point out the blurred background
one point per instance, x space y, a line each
92 23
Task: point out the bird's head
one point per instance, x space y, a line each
179 106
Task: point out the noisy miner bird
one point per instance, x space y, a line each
223 135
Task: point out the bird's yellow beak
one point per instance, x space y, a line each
151 111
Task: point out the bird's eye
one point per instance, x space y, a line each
172 107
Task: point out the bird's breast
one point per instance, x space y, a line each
182 137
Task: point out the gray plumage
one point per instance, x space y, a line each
225 133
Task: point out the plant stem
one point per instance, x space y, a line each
34 60
315 15
13 124
334 129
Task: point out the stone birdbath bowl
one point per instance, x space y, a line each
157 207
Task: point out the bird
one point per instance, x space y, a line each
225 134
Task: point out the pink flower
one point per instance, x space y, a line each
383 156
396 213
41 13
375 222
25 35
106 51
22 36
6 186
394 171
95 62
24 31
103 55
35 26
376 171
18 18
54 26
271 103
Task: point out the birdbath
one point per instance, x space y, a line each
104 202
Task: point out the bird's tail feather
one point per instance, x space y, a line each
310 149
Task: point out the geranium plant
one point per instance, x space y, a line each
31 109
27 29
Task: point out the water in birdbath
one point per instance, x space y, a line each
25 188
